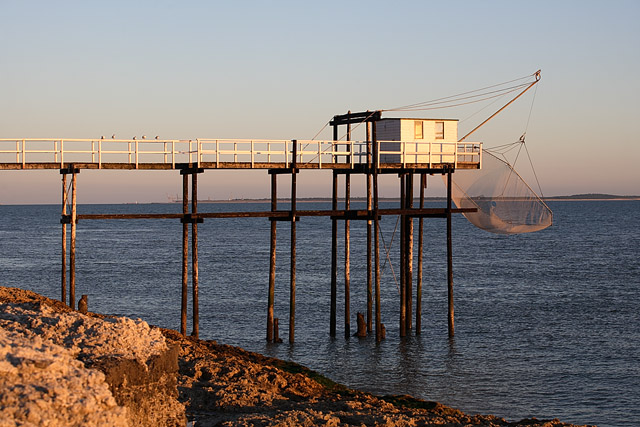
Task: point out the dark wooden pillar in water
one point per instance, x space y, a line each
403 257
369 224
334 249
63 221
185 253
423 184
72 248
449 255
409 253
292 283
376 221
194 254
272 260
347 246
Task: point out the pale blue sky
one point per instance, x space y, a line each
243 69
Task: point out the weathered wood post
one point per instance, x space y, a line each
272 260
403 255
376 221
72 249
409 253
449 255
185 252
423 185
63 221
369 224
334 248
347 243
292 289
194 253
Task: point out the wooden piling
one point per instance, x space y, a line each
409 254
272 261
347 247
72 248
403 261
194 255
423 185
292 282
376 221
449 256
185 254
63 278
334 258
369 224
347 260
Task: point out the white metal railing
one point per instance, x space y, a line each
133 152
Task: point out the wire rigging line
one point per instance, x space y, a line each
387 251
455 97
430 104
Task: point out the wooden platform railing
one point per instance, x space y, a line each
21 153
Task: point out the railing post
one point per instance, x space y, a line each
55 151
252 154
61 154
23 153
136 154
173 154
217 153
99 154
319 155
199 151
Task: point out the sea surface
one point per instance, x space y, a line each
547 324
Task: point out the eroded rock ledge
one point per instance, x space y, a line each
151 379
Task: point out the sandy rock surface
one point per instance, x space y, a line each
220 385
226 386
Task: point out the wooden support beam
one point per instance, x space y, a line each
185 255
63 221
379 330
72 248
334 259
403 261
369 224
423 185
409 253
347 247
449 257
347 261
292 282
272 260
194 256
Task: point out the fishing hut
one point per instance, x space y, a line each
404 147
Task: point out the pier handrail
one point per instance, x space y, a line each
242 152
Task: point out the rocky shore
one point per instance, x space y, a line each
59 367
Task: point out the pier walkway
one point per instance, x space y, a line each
52 153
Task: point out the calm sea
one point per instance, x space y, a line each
547 324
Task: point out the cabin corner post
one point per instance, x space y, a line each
272 260
449 171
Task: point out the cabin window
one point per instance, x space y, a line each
418 129
439 130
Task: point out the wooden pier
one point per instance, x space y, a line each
280 157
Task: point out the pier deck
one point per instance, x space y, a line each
150 154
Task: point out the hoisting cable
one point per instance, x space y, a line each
387 251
